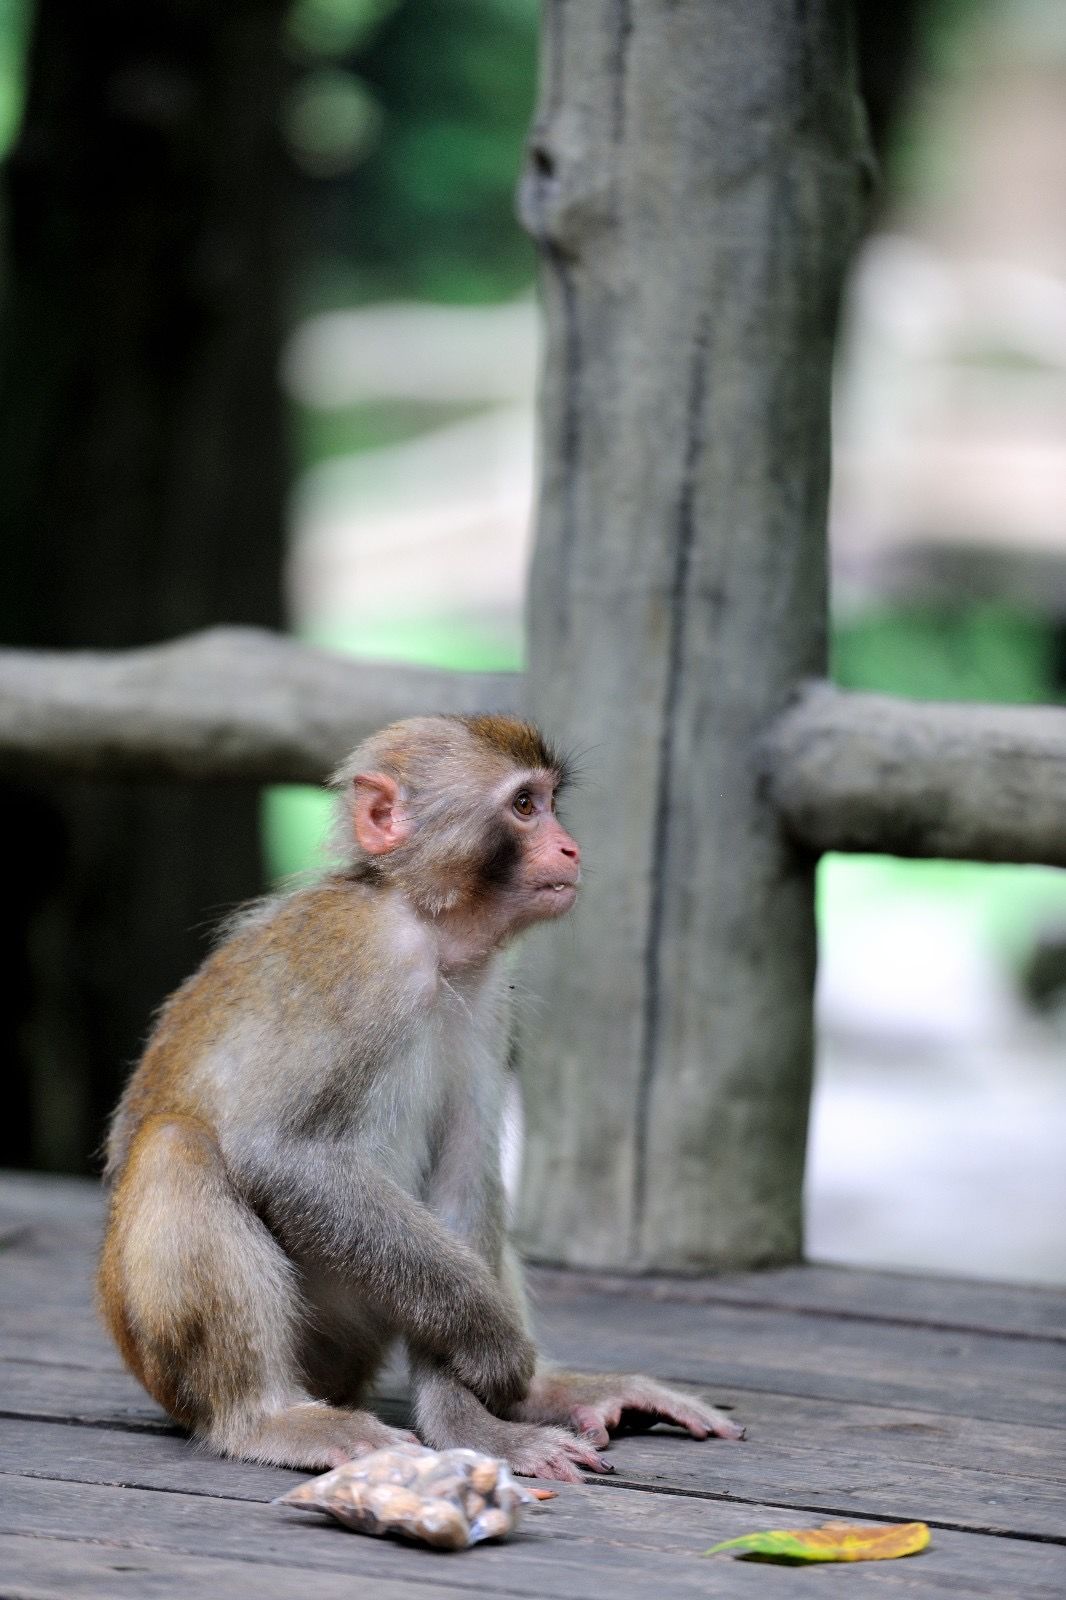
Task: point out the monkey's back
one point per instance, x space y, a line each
285 1016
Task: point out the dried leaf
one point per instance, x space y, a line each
834 1541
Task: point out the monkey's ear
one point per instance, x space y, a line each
377 818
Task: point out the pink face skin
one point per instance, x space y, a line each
550 869
542 884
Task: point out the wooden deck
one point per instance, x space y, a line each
866 1395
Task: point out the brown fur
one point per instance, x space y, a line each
520 743
305 1164
196 1354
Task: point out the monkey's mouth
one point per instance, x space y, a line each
562 894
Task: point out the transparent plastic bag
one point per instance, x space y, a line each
450 1499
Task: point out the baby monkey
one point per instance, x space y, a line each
305 1165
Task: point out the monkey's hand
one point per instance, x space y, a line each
598 1406
497 1360
447 1414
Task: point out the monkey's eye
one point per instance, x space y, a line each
522 804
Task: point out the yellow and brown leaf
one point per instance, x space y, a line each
833 1541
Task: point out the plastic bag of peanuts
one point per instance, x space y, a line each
450 1499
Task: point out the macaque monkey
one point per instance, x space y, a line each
305 1166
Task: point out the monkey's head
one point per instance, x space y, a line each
459 814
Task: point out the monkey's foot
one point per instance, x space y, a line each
536 1452
598 1406
310 1434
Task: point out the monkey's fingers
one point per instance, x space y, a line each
339 1452
641 1412
639 1404
552 1453
589 1422
713 1422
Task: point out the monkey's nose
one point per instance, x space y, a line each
571 851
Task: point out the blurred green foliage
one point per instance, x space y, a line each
331 122
412 114
370 425
407 119
974 652
924 162
14 26
335 27
1002 906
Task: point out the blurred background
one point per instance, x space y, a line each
268 343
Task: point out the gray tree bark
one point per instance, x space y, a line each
843 771
693 184
228 705
918 778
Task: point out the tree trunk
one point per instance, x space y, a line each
694 183
142 490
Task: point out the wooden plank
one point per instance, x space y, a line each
105 1456
831 1291
36 1197
45 1332
590 1541
87 1396
106 1397
859 1462
729 1349
777 1421
58 1568
781 1421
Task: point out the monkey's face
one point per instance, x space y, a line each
460 815
532 864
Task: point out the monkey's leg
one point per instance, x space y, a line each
596 1405
203 1305
447 1415
343 1341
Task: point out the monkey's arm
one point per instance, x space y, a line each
330 1204
467 1193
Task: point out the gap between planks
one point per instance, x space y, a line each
396 1409
846 1513
626 1485
160 1427
156 1430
